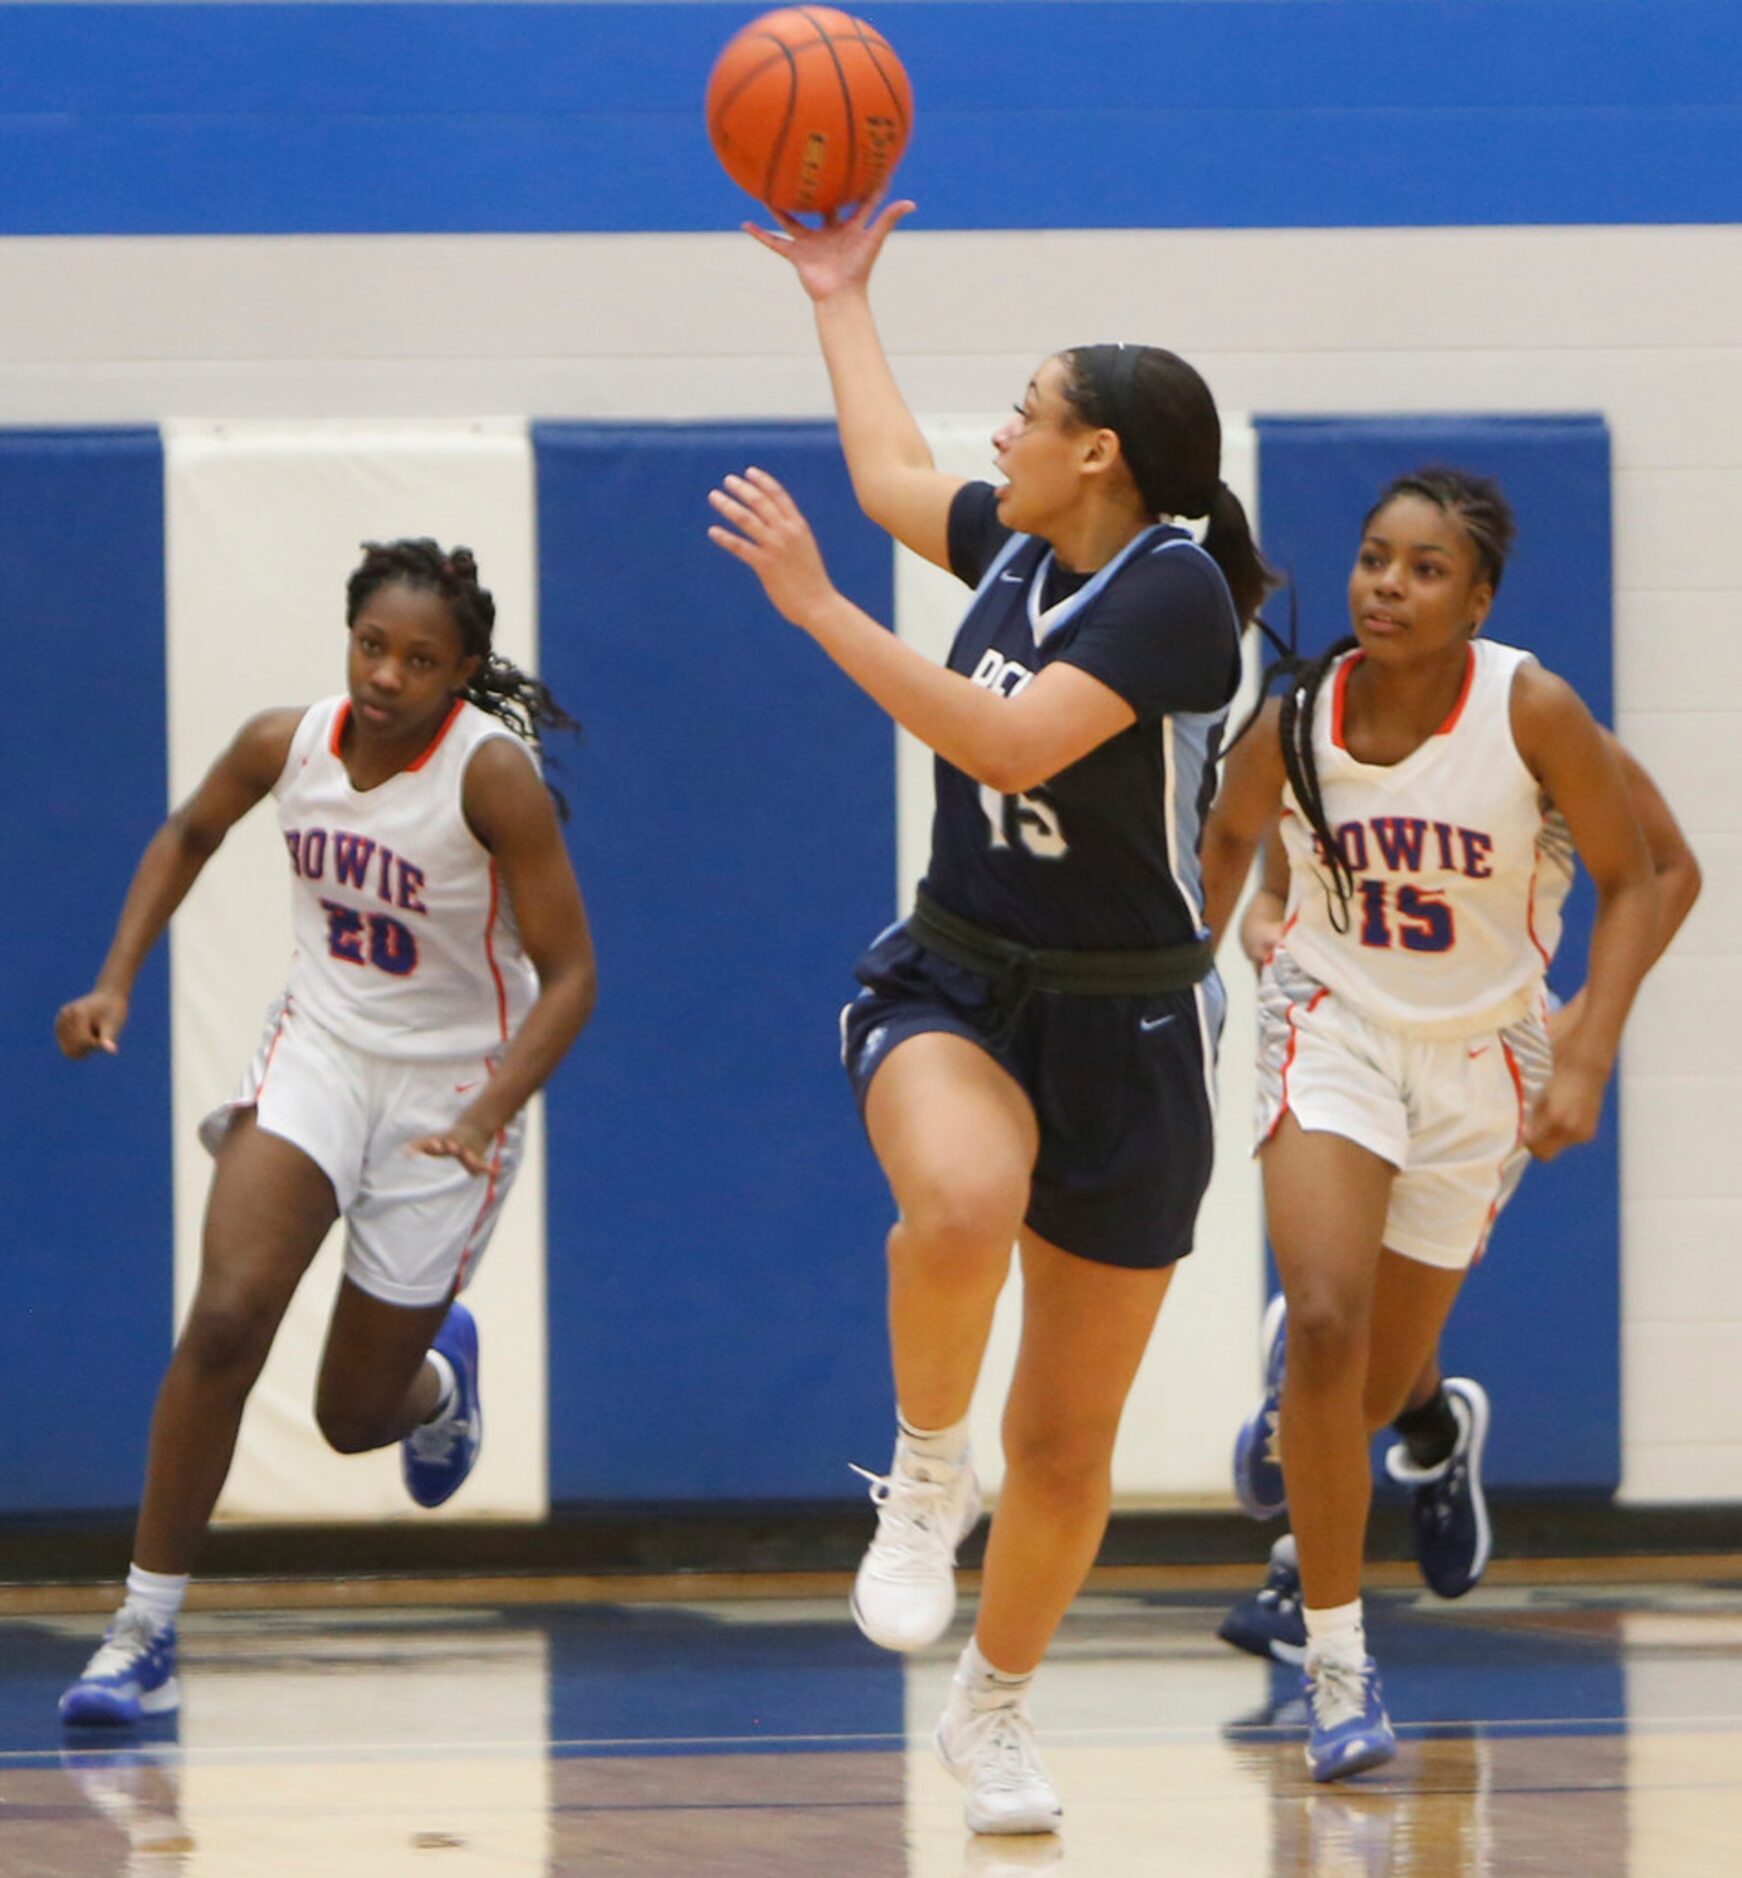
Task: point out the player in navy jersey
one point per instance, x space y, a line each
442 967
1033 1049
1431 787
1443 1425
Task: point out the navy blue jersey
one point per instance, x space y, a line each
1104 855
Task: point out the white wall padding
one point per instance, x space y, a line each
264 525
1200 1376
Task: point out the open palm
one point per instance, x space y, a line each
841 253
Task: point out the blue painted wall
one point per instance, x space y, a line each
85 1195
197 119
716 1218
1540 1319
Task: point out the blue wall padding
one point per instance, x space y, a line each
196 119
715 1216
85 1192
1539 1323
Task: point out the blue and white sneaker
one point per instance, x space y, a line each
436 1457
1348 1730
132 1676
1258 1484
1448 1515
1269 1623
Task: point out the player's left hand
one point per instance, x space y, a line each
770 535
470 1146
1566 1113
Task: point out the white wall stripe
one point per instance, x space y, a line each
1200 1376
264 524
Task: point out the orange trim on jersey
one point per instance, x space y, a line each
490 954
271 1051
343 714
1530 916
1451 723
1323 992
483 1212
1517 1143
1340 685
435 742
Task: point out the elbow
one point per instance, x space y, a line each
190 839
1691 881
1014 766
582 996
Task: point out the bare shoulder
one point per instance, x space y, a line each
261 748
1544 710
502 790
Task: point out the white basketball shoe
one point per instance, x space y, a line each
905 1593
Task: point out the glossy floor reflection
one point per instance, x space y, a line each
1592 1731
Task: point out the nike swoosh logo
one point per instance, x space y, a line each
1009 576
1156 1023
465 1088
1481 1052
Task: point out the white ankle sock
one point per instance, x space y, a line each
447 1386
1337 1631
158 1594
985 1680
949 1445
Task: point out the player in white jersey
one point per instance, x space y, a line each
1403 1054
442 967
1443 1426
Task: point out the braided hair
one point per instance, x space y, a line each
1480 506
1169 432
499 686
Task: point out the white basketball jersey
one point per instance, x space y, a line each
1461 866
405 944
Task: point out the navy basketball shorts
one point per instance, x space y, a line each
1123 1089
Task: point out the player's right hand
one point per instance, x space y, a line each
839 255
1260 927
93 1022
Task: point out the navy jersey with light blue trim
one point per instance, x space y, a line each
1104 855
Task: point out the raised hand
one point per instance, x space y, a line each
770 535
838 256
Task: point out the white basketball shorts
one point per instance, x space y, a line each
415 1225
1447 1114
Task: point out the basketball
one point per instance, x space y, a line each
809 109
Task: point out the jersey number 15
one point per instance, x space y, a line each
1027 822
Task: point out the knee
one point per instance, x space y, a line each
960 1228
226 1337
1071 1465
350 1428
1327 1334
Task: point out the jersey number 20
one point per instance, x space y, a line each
376 939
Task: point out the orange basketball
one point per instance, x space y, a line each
808 108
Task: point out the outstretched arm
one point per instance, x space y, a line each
1012 744
509 809
168 868
1566 752
898 485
